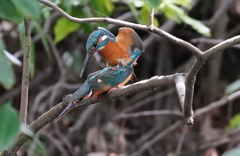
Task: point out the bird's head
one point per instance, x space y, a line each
69 107
96 41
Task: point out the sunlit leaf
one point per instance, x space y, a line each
171 11
185 3
234 122
178 15
102 7
233 152
154 3
155 22
233 87
9 125
9 11
63 28
28 8
7 78
196 25
145 11
12 58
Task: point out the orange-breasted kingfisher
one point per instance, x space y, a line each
101 81
114 50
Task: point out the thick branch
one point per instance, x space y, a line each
221 46
154 82
26 69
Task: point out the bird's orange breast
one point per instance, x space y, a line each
112 52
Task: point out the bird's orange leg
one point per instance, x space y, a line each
113 89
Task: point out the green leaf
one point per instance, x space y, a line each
102 7
234 122
9 125
233 152
171 11
233 87
7 78
64 27
32 60
145 11
196 25
178 15
154 3
185 3
28 8
9 11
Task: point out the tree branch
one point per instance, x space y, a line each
154 29
151 18
49 116
221 46
26 69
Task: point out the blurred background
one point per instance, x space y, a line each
123 127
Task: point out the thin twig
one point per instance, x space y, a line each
145 146
151 19
181 140
150 113
26 70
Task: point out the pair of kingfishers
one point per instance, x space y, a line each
120 53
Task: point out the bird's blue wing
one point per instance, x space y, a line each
111 77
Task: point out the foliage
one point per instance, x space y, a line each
233 152
7 78
234 122
171 9
9 125
67 26
233 87
15 10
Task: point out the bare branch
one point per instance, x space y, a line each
158 31
150 113
165 132
26 69
221 46
217 104
154 82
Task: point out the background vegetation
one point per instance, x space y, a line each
146 123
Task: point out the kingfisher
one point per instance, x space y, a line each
101 81
114 50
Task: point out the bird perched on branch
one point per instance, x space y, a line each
101 81
114 50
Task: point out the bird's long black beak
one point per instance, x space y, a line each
66 110
86 61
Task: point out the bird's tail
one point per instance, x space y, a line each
134 57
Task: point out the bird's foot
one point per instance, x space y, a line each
112 89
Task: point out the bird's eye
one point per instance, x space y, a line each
95 44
